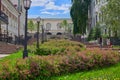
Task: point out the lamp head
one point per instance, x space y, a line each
27 4
38 19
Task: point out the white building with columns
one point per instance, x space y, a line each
21 17
53 25
95 11
15 21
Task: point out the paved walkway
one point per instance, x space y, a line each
3 55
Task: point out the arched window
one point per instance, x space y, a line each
48 26
59 26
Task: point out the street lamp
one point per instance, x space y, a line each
27 4
42 31
38 23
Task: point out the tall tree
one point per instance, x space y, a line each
31 25
79 14
111 15
64 24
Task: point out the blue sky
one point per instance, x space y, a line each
50 9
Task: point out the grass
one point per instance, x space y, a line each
109 73
116 47
13 57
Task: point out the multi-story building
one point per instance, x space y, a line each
95 11
12 17
53 25
21 19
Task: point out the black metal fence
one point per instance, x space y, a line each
115 40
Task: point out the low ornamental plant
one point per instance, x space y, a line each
43 67
59 47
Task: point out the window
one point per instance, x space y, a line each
59 26
48 26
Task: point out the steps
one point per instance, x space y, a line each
6 48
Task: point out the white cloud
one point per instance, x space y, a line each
40 2
50 13
50 5
66 11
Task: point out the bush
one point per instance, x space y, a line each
59 47
43 67
95 33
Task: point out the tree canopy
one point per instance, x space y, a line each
79 14
31 25
64 24
111 15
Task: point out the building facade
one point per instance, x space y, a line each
12 18
21 17
95 11
95 15
53 25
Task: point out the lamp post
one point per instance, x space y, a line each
38 24
42 31
27 4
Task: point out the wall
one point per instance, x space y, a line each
54 22
12 13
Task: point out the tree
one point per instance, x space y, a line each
79 14
95 33
31 25
64 24
111 15
91 34
70 28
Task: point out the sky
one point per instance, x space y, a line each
50 9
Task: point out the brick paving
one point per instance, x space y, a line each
6 48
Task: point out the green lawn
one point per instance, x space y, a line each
110 73
13 57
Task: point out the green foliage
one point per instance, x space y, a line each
31 25
59 47
70 28
95 33
109 73
65 25
43 67
79 14
91 34
111 15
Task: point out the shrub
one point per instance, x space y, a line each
43 67
95 33
59 47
